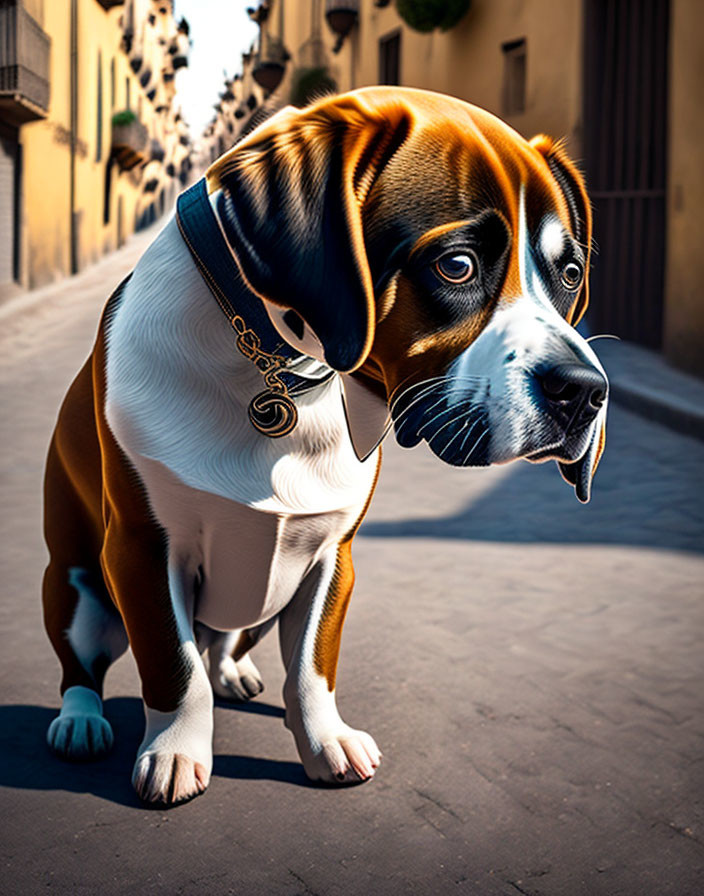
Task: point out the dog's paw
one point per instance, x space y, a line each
80 732
168 778
345 757
236 680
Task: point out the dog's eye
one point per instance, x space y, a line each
571 275
456 268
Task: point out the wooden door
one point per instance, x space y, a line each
625 141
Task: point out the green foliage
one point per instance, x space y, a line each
122 119
426 15
310 84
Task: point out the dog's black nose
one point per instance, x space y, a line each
574 392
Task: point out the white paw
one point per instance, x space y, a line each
168 778
235 680
80 732
346 756
175 757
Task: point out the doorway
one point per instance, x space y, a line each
625 148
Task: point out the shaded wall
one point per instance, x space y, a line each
684 279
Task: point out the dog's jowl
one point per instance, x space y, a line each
387 258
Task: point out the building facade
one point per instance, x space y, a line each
92 144
619 80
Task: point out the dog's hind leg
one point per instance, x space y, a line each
231 670
83 625
88 636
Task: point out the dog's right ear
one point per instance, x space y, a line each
291 207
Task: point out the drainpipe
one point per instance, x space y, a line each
73 67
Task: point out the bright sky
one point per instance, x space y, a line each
220 32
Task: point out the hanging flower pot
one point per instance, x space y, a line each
129 140
426 15
341 15
270 63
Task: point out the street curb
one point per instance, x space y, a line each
642 381
659 406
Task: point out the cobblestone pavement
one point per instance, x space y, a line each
531 668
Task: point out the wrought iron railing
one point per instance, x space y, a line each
24 64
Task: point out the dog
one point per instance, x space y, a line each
385 258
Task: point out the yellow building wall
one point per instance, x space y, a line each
45 237
46 157
98 38
466 61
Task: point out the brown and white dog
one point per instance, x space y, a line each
426 248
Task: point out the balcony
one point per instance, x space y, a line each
129 140
108 4
24 65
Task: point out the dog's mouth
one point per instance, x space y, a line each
453 421
576 456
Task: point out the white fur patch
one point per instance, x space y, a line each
187 732
94 630
80 731
552 239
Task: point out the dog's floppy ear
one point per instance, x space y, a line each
571 184
291 203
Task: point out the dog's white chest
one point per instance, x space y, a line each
245 515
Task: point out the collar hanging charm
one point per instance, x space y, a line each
271 412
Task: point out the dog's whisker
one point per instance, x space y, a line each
404 416
469 432
436 380
428 391
439 414
424 387
603 336
451 406
444 426
413 396
460 431
472 449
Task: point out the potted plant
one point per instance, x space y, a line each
129 139
426 15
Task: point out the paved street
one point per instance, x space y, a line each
532 670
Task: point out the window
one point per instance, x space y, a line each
390 58
127 94
514 85
112 84
99 112
107 189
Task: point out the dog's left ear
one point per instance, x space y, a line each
291 201
571 185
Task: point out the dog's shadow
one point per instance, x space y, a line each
26 762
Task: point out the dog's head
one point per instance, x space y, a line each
424 244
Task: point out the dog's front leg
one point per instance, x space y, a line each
310 628
154 594
175 758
